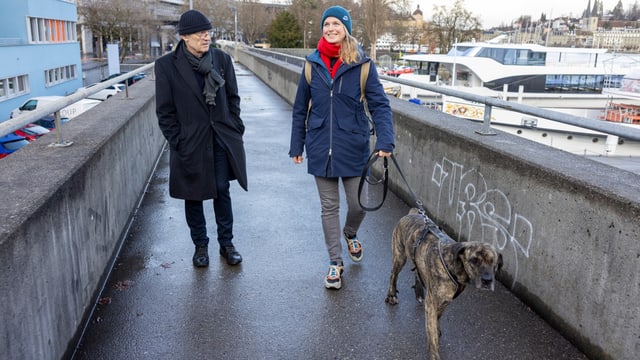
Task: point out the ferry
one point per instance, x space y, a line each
574 81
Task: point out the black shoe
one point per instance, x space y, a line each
201 256
230 253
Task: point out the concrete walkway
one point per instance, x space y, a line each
156 305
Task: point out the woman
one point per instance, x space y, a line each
335 131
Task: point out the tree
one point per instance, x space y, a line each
284 31
455 24
308 14
374 14
119 21
253 19
618 11
634 12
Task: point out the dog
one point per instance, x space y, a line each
442 267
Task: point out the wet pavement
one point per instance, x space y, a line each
156 305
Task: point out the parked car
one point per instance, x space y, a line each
70 111
11 143
32 131
129 81
49 122
104 94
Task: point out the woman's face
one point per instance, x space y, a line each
333 30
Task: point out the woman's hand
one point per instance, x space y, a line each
384 153
297 159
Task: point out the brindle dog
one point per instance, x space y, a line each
442 267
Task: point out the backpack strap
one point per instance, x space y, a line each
307 75
307 72
364 74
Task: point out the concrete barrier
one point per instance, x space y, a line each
64 212
568 227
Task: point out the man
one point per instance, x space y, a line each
198 109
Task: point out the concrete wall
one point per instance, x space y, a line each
64 212
568 227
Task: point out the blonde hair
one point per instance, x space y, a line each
349 52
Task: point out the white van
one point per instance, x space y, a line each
70 111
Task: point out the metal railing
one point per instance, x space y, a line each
20 121
489 102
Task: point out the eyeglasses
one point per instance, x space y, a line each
204 34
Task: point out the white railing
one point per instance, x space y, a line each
11 125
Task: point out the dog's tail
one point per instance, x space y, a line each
414 211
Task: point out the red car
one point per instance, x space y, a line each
32 131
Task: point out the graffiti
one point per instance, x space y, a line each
481 213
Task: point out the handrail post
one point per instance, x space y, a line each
59 142
486 124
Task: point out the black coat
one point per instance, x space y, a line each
189 124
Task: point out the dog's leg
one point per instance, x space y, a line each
399 259
432 326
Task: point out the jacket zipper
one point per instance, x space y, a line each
330 129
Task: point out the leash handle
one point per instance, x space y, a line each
385 180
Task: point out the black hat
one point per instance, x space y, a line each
193 21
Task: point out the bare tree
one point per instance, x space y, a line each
118 21
254 19
374 20
455 24
308 14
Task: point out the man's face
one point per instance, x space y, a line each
198 43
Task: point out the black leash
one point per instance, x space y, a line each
385 182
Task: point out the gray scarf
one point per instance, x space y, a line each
212 79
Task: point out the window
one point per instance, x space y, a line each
59 75
13 86
51 31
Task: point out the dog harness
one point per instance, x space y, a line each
431 227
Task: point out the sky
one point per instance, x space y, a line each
497 12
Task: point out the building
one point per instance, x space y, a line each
39 49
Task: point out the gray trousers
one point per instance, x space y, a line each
329 191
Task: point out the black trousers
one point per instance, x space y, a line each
194 209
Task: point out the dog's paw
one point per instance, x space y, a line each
391 300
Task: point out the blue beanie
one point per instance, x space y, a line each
339 13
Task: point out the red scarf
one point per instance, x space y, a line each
328 51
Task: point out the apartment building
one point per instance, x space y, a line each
39 50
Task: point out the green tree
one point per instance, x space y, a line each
284 32
618 11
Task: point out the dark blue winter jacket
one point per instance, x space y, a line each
337 132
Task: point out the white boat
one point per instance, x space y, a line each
574 81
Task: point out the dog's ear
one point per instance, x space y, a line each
458 248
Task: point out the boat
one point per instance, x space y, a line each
626 108
575 81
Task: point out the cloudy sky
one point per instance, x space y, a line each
497 12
